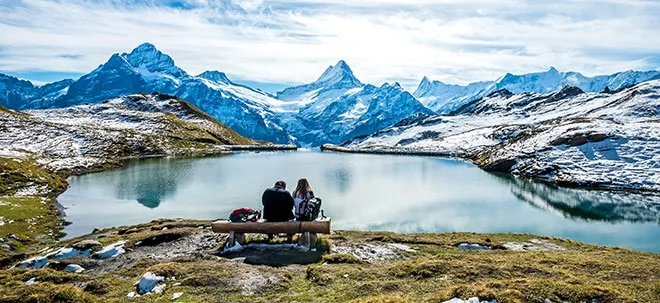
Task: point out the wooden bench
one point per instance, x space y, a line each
307 229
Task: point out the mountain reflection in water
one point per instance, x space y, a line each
587 204
152 185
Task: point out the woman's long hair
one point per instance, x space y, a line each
302 189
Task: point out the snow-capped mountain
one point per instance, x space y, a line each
337 107
15 92
445 98
332 109
609 139
146 69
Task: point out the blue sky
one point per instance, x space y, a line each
271 44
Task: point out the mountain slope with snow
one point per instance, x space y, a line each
596 139
337 107
14 92
332 109
445 98
85 136
147 70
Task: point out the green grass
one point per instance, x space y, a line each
17 174
30 220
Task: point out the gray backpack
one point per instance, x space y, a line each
309 209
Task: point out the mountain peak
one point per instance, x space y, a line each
215 76
146 55
339 73
425 81
146 47
343 64
553 70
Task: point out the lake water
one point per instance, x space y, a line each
364 192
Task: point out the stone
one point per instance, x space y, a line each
88 244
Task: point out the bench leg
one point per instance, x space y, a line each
307 239
233 238
231 241
240 238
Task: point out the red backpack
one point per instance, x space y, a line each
244 214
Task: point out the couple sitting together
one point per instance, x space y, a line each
280 205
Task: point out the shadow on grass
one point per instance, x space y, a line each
276 253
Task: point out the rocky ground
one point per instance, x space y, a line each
608 139
183 261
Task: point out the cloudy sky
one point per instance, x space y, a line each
283 42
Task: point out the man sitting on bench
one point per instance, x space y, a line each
278 205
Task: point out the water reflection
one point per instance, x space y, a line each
586 204
366 192
341 177
152 183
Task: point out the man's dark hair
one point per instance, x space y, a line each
280 184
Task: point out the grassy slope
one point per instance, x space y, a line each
220 133
35 219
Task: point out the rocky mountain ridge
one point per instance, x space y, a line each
445 98
570 137
298 114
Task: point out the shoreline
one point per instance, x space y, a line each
449 155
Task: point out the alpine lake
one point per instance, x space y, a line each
406 194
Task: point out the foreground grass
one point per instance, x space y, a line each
434 272
29 219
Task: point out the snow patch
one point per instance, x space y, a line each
75 268
469 246
534 245
34 263
111 250
148 283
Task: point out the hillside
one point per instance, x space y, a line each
607 140
85 136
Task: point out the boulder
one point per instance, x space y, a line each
88 244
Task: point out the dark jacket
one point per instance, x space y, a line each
278 205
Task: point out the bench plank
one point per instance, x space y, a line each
318 226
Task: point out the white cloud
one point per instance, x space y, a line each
382 40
